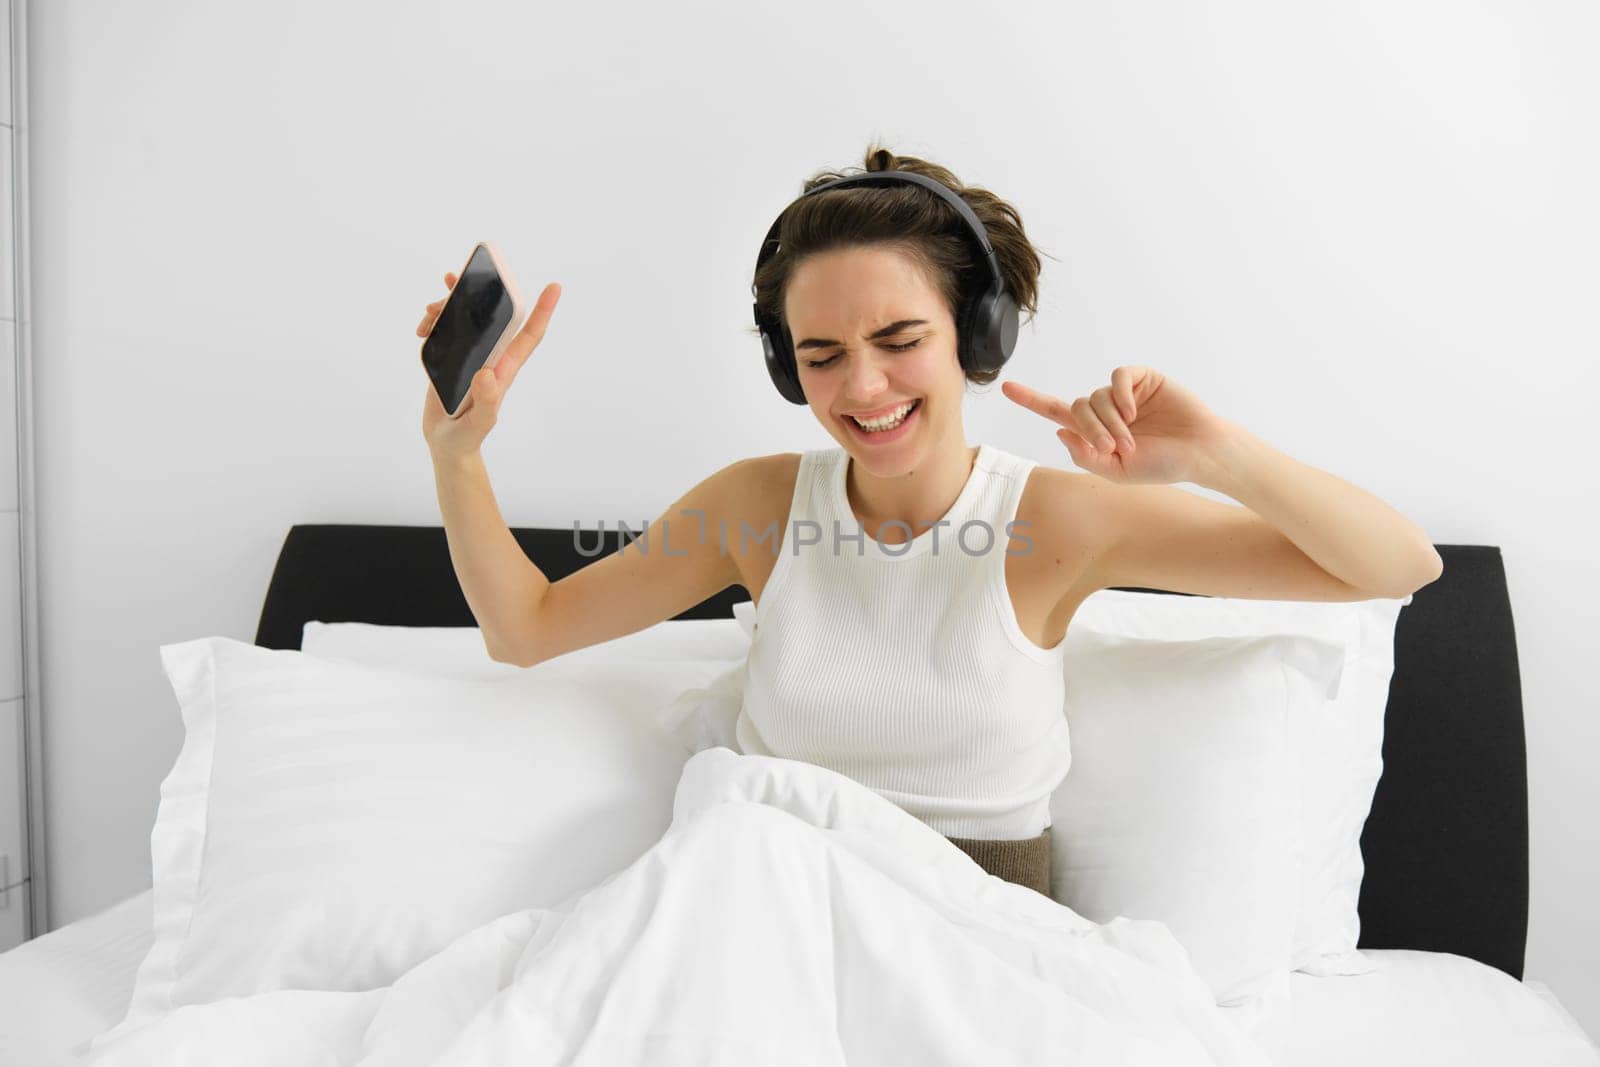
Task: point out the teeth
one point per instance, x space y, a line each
888 421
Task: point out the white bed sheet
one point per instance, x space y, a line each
1430 1008
1418 1009
62 988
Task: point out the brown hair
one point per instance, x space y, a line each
908 220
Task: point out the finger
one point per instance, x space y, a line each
1105 407
532 332
1090 426
1050 407
487 389
1084 455
1028 397
1062 413
1015 391
431 311
1122 382
450 279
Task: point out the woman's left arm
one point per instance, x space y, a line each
1352 534
1145 430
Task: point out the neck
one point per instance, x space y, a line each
918 496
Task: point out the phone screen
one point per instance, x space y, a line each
472 320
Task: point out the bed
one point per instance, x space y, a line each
1443 903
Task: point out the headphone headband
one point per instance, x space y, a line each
986 323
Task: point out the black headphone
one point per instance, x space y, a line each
986 323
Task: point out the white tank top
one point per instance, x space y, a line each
902 666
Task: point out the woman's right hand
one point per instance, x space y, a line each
459 437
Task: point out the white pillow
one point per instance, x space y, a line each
459 651
1339 747
328 825
1182 804
706 718
699 718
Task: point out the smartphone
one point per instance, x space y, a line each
481 315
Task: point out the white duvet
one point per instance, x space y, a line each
789 915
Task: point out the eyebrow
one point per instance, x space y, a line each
887 331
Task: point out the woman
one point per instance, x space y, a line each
921 587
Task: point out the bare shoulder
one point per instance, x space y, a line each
635 587
1064 503
1068 522
771 470
755 510
738 480
760 483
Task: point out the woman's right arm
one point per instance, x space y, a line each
501 584
498 580
525 618
676 563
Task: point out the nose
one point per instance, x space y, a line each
864 380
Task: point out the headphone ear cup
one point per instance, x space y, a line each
991 333
780 361
966 337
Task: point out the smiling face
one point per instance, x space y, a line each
851 313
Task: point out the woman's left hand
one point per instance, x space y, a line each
1143 428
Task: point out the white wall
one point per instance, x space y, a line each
1366 231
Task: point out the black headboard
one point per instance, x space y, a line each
1445 848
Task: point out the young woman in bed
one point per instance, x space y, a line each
910 631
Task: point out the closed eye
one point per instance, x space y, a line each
814 363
